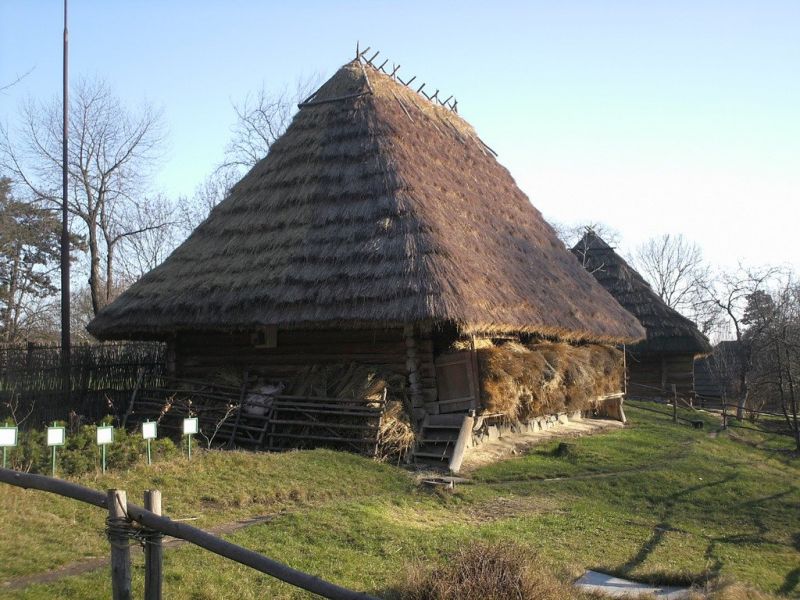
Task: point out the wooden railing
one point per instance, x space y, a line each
126 520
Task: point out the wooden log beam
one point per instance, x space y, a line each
186 532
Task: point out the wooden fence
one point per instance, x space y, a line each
127 521
102 380
727 412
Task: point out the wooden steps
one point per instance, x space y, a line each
438 439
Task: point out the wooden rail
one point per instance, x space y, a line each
166 526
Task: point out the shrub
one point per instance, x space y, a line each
499 571
81 454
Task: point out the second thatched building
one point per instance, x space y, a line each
666 358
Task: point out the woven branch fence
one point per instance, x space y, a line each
102 379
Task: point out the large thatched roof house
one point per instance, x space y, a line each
379 229
666 356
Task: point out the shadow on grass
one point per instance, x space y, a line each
792 580
657 537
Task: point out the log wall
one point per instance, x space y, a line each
652 376
405 352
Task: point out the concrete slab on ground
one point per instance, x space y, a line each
614 587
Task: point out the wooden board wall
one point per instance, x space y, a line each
652 376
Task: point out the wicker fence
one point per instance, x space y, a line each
102 379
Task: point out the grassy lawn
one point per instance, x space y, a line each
653 501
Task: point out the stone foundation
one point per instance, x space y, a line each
490 429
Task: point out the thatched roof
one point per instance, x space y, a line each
377 207
667 330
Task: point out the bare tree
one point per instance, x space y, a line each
773 334
111 155
261 118
7 86
145 251
571 234
673 266
727 293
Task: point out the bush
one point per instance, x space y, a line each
81 454
499 571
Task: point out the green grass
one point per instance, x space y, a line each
654 501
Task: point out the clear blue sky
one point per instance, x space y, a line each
673 116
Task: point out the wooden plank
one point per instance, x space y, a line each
462 443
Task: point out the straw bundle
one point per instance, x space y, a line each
396 434
546 378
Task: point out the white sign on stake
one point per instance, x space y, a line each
55 436
190 426
8 436
149 430
105 435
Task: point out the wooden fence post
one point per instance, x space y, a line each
153 550
118 528
674 404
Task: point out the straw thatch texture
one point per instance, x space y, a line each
375 207
547 378
667 330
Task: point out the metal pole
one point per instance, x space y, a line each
104 457
65 326
149 459
153 550
54 461
190 446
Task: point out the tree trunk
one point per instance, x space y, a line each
94 269
744 363
109 271
12 308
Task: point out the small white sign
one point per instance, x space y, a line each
105 435
55 436
149 430
190 426
8 437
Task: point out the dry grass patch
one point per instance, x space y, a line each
481 571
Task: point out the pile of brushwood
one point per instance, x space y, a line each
525 381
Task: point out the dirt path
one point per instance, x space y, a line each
92 564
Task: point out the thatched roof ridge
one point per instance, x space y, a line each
376 208
667 330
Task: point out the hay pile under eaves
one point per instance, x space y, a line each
547 378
